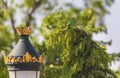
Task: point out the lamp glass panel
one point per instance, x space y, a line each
27 74
12 74
38 74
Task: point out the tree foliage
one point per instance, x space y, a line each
71 49
76 55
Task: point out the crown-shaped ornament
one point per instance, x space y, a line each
24 30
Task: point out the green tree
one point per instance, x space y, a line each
62 31
70 48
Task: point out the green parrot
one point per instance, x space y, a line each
70 22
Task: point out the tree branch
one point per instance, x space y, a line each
11 18
36 4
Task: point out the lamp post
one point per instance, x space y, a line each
23 61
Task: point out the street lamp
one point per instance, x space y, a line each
23 61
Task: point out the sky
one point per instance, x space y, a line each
113 25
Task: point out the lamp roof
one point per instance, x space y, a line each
23 44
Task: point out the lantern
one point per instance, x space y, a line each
23 61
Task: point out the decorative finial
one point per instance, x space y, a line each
24 30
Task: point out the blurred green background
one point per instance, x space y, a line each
64 32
